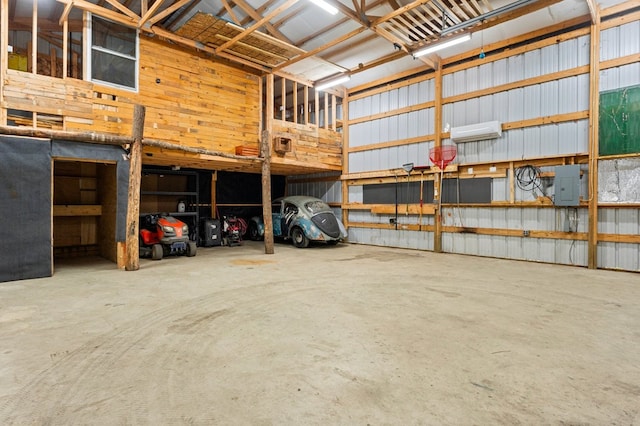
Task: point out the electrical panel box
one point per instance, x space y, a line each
567 186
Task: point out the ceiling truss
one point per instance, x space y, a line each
252 37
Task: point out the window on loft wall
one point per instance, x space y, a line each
114 54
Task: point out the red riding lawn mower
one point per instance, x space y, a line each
164 235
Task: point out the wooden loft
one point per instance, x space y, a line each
201 113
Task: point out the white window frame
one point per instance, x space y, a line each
89 53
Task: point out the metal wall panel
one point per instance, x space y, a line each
620 41
567 95
615 78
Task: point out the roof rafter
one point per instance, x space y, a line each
257 25
257 17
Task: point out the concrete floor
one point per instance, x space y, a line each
350 335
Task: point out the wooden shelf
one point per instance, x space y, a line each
77 210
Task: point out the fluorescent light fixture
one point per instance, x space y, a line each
333 82
326 6
451 41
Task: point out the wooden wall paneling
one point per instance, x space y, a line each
311 144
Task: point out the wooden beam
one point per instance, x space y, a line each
124 9
377 62
593 7
266 192
348 12
255 14
437 237
265 147
214 196
4 56
229 10
319 49
178 17
65 51
168 11
97 138
132 262
199 46
257 24
399 11
594 106
65 13
152 10
104 13
345 161
34 43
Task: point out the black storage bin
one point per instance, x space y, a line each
211 232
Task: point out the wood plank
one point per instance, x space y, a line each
77 210
412 209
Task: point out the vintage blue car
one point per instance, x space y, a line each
302 219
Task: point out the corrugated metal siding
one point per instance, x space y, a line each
619 255
567 95
618 42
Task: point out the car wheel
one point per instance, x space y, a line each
299 239
253 232
157 252
191 248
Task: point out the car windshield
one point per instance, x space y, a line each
317 206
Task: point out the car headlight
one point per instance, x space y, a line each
185 229
168 229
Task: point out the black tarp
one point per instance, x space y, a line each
25 200
25 208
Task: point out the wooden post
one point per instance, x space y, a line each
265 152
214 196
266 192
132 262
437 235
594 106
4 55
345 159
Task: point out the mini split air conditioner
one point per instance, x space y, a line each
476 132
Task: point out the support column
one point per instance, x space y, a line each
345 159
594 107
132 262
214 195
4 55
437 236
265 152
